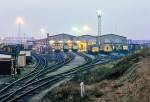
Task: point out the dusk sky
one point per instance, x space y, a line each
130 18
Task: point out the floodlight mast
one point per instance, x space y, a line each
99 16
19 22
43 31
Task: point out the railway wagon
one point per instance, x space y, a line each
12 49
93 49
125 49
27 55
41 50
65 47
75 47
57 47
7 64
106 48
134 47
29 47
118 48
21 60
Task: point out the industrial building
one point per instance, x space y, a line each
108 41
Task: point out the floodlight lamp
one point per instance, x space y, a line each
19 20
99 13
42 30
52 41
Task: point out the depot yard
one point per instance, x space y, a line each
114 81
75 63
28 68
5 80
59 63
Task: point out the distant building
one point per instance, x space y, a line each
17 40
84 40
138 41
108 38
104 39
112 39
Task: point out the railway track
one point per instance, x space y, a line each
31 89
41 63
6 90
36 85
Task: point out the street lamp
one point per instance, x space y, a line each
99 16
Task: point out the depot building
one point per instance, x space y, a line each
107 41
85 40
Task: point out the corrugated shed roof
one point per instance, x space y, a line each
5 56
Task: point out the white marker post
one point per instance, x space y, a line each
82 90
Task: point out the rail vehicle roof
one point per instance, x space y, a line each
5 56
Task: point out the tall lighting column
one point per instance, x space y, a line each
43 31
99 16
19 24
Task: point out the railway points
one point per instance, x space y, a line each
32 79
57 61
61 76
46 77
50 45
27 69
48 82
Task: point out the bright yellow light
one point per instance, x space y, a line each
69 41
78 41
87 28
52 41
19 20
